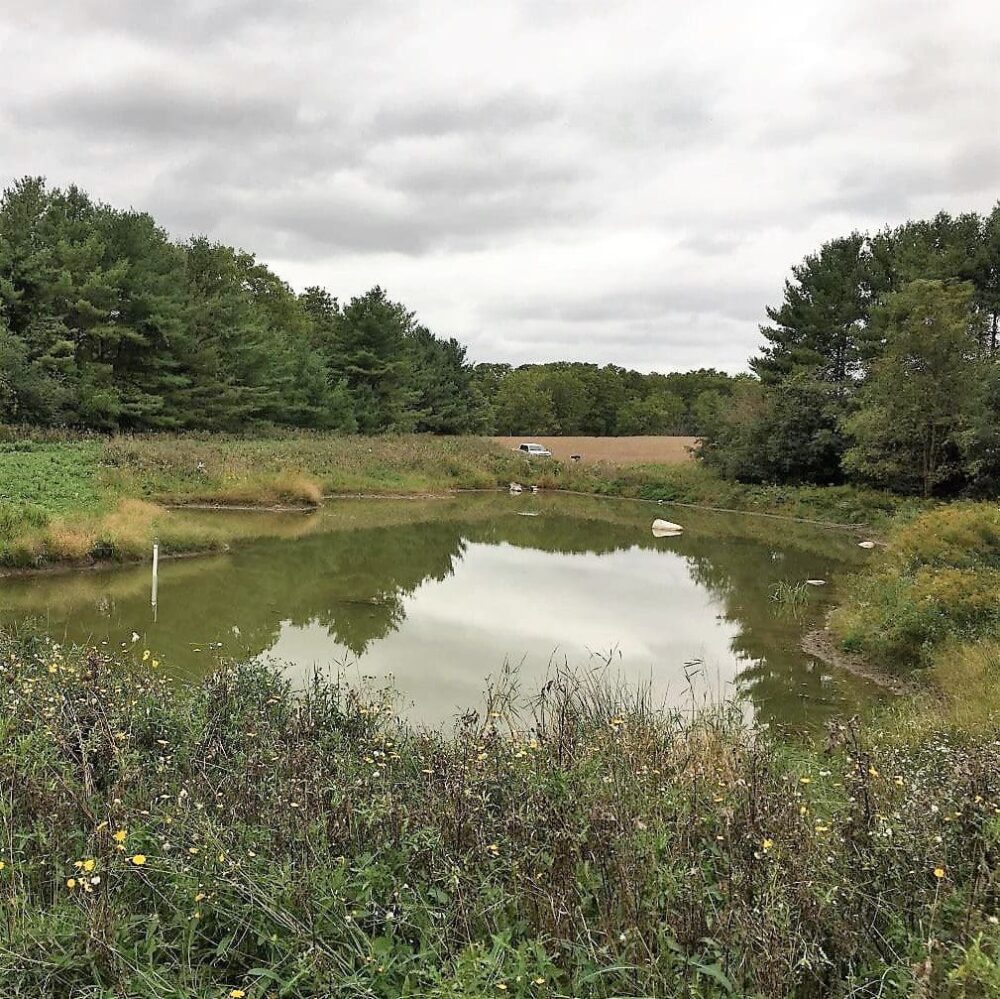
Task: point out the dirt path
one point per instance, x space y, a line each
616 450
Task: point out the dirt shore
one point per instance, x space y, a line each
616 450
820 643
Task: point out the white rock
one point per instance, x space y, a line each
866 544
816 582
666 525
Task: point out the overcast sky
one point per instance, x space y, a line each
607 181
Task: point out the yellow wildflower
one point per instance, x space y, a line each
939 872
119 837
236 994
145 655
138 859
71 883
767 844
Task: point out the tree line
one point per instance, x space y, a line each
108 324
570 398
880 366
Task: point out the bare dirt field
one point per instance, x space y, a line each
616 450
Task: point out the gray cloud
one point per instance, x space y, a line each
497 114
622 182
157 109
644 305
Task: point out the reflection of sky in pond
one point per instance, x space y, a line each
531 608
440 594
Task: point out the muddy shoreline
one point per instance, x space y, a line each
820 643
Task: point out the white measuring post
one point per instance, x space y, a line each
156 571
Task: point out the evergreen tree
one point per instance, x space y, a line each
447 401
820 325
369 353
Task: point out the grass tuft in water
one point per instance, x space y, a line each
792 596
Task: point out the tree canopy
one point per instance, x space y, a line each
880 365
108 324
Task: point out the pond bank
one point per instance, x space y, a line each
823 645
63 501
693 856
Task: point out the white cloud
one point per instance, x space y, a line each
622 182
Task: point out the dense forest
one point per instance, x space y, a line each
880 366
108 324
573 398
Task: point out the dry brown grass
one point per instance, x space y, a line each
614 450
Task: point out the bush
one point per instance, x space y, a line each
936 583
160 840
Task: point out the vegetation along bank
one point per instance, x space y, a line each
100 498
234 838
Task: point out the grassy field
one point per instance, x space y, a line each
106 498
930 602
233 838
614 450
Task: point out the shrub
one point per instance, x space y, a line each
239 835
935 586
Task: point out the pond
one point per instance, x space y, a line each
434 596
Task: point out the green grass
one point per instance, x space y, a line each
55 478
930 601
249 838
80 500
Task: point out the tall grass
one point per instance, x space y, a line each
930 601
790 596
936 581
59 498
241 837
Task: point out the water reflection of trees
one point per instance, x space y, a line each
775 675
354 583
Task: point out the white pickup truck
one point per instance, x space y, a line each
533 450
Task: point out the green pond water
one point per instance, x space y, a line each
435 596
